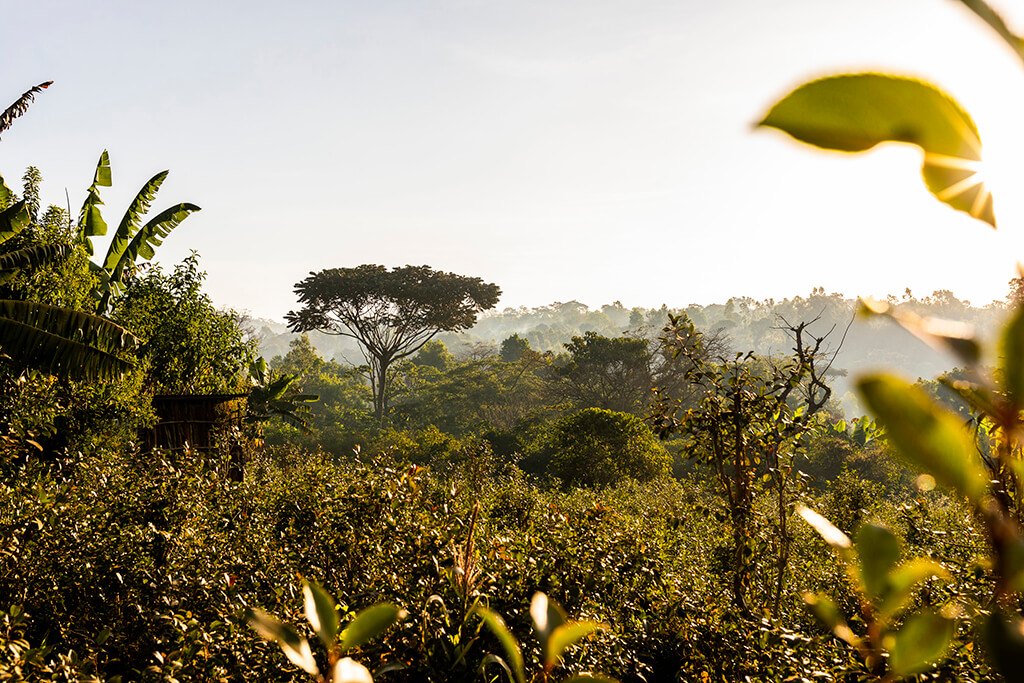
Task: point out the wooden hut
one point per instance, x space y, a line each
201 423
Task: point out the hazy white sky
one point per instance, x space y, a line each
577 149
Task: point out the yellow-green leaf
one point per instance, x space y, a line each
920 643
320 612
564 636
925 434
855 112
369 624
508 643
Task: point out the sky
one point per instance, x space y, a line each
562 149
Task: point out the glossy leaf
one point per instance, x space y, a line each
855 112
295 647
878 551
508 642
829 613
13 220
920 643
90 218
926 435
903 580
149 236
564 636
320 612
369 624
142 245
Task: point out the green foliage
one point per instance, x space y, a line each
883 588
190 346
323 617
391 314
513 348
613 374
597 447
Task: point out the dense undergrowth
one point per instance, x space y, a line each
141 567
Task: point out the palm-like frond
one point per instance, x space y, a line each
32 257
13 220
90 218
149 236
132 219
20 105
63 342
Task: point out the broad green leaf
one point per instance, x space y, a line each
920 643
149 236
508 643
31 258
547 616
855 112
347 670
1012 351
926 435
902 581
564 636
6 194
943 335
878 551
829 613
90 218
295 647
320 612
63 342
132 219
369 624
13 220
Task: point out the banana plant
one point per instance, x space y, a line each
132 238
269 397
61 341
322 614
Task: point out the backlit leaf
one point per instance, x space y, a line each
855 112
926 435
920 643
369 624
508 643
320 612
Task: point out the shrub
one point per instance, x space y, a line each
597 447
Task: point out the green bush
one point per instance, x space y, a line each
597 447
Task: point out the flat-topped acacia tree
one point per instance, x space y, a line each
390 313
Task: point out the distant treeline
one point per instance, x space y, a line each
749 325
